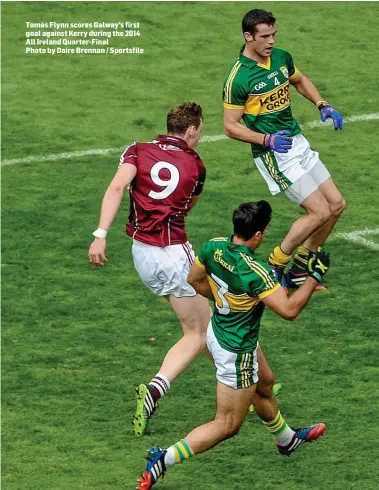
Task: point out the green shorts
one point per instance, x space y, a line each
237 370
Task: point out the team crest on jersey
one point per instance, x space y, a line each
221 261
284 70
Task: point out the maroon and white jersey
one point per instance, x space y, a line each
169 174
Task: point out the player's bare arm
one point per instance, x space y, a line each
234 129
289 307
109 207
306 88
198 279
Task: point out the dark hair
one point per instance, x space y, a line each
251 217
254 17
182 116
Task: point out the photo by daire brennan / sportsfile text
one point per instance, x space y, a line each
189 245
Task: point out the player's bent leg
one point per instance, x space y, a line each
299 268
232 406
264 400
237 375
336 205
194 315
164 271
287 439
318 213
305 193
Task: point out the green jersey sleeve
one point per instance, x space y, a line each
204 253
258 279
292 70
235 91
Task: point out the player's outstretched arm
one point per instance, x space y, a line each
308 90
198 279
109 207
290 307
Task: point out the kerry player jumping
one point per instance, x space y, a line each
257 90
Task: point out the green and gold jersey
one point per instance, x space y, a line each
263 91
239 280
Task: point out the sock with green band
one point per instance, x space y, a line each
178 453
279 258
280 430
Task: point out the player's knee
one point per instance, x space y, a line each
198 338
194 325
322 215
265 386
229 426
231 429
337 208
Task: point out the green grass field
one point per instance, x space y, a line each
77 340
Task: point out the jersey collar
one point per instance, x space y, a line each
238 248
172 140
251 63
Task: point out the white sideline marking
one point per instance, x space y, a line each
204 139
357 237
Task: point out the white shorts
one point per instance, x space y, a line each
235 370
282 170
308 183
164 270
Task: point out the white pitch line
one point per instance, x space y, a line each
204 139
357 237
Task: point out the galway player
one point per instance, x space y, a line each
166 177
257 90
228 271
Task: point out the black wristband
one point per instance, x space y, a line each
322 104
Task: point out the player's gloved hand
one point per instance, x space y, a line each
279 142
318 265
327 111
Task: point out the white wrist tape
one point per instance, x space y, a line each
100 233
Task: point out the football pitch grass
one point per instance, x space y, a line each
77 340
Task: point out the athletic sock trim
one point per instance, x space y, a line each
182 451
160 385
279 258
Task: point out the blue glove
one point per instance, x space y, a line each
327 111
279 142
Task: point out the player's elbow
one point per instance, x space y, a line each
228 129
290 315
115 189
